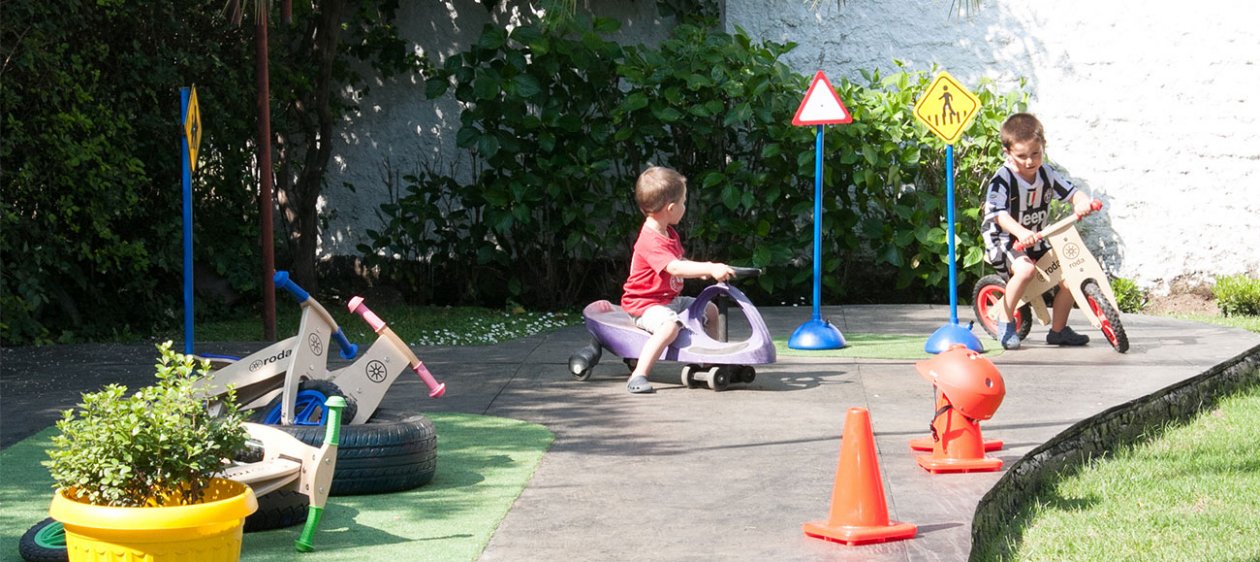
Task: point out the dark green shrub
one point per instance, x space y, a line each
559 125
1130 298
1237 295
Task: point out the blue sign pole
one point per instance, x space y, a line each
817 333
188 244
949 217
951 334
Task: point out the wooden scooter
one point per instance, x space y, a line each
1068 259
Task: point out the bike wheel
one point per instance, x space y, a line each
308 408
1112 329
984 299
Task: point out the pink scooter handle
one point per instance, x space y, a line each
1094 205
356 306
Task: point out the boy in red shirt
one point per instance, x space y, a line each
657 269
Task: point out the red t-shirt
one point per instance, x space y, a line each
649 284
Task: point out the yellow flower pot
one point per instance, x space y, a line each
206 532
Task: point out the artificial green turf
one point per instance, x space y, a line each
874 346
483 465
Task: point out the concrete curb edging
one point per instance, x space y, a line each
1105 432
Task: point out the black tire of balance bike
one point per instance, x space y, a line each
31 549
326 388
392 452
1112 329
277 510
987 291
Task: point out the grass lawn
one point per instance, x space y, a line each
1190 493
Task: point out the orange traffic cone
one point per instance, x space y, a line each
859 513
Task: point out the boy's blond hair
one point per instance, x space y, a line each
1022 127
657 187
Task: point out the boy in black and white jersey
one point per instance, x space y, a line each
1017 206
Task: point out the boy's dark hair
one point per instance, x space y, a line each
657 187
1022 127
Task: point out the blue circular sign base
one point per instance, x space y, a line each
816 334
949 335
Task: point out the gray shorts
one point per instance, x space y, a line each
657 315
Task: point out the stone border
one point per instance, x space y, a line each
1104 432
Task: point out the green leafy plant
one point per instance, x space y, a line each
156 447
1129 296
559 124
1237 295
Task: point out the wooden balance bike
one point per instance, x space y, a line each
1068 259
288 381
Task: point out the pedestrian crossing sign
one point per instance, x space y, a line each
821 106
947 108
192 129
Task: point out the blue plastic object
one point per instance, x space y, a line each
949 335
309 403
817 334
282 281
348 350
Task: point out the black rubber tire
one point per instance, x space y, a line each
31 549
392 452
986 293
327 388
1112 329
277 510
719 378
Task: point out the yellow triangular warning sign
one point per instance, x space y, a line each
821 105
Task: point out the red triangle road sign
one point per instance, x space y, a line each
821 106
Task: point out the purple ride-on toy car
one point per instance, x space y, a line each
716 363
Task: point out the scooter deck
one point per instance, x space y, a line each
616 332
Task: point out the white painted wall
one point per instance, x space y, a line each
1145 105
398 131
1148 105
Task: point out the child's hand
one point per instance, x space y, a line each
1083 208
720 271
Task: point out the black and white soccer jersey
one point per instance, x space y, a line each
1027 203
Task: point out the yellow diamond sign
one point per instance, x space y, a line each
947 108
192 129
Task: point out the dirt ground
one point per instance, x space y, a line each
1184 297
1184 303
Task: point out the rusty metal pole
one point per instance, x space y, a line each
265 172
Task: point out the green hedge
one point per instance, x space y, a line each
559 124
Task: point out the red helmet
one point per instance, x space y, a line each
970 382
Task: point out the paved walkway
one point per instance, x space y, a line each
697 475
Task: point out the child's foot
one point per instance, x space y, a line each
1066 337
639 385
1008 336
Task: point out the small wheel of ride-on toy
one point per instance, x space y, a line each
688 377
1111 327
719 377
585 359
745 374
984 299
631 364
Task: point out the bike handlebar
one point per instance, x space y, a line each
436 389
1094 206
282 281
746 273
